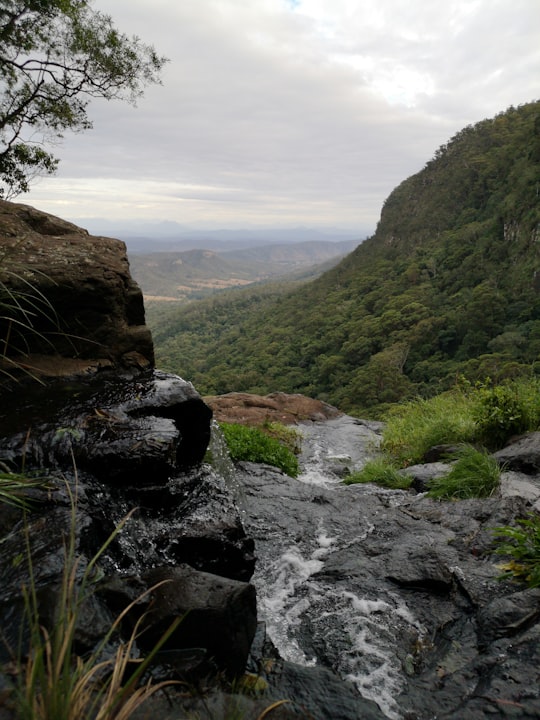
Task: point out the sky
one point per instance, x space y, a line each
289 113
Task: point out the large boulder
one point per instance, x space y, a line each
78 296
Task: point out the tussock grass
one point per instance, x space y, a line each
380 472
475 474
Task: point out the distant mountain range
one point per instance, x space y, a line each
167 236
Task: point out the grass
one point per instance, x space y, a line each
51 680
474 474
14 488
380 472
414 427
253 445
522 544
22 304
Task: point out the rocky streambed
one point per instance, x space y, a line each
395 592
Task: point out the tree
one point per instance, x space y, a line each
55 56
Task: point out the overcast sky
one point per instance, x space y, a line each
291 112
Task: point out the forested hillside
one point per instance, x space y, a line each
448 286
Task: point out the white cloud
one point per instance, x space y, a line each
280 112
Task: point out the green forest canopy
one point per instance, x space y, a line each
448 286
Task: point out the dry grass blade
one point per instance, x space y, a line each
272 707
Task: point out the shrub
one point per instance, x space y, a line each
475 474
253 445
505 410
380 472
522 544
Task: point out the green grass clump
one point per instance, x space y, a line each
414 427
14 488
380 472
253 445
522 544
475 474
284 434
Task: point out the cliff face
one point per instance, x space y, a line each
68 299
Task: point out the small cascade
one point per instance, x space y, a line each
307 531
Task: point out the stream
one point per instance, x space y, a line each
318 608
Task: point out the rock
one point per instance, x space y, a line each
219 614
125 429
250 409
88 305
523 455
508 616
521 485
419 568
423 474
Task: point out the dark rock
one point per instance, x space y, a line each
422 475
440 453
125 428
522 455
219 614
419 569
508 616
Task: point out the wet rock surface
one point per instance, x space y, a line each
370 603
117 449
392 591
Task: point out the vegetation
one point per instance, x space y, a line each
522 544
506 410
52 679
471 417
446 287
254 445
380 472
23 308
54 57
15 487
413 427
474 474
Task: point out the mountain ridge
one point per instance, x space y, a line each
447 287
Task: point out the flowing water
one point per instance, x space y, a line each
319 604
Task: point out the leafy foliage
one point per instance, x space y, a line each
475 474
522 544
54 57
446 287
506 410
253 445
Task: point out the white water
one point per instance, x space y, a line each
291 594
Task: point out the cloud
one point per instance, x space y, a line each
280 112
